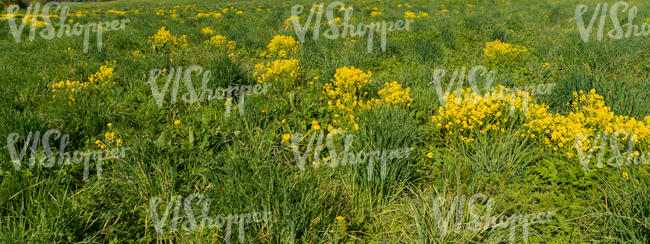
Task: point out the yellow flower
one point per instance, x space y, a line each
286 137
393 93
284 70
470 112
340 218
221 42
546 65
444 11
119 141
504 52
164 40
316 127
112 11
314 122
209 14
176 122
429 155
109 124
409 15
101 78
347 91
109 136
263 110
207 31
624 175
282 46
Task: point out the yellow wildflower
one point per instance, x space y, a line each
286 137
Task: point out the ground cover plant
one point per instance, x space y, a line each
500 121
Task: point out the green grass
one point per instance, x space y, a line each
239 163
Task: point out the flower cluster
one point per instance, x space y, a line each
393 94
81 13
282 47
505 53
113 11
496 48
278 70
233 10
209 15
37 23
103 77
164 40
207 31
222 43
469 113
589 115
411 15
346 94
464 114
109 140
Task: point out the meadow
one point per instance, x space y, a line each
205 121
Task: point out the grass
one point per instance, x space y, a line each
240 163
